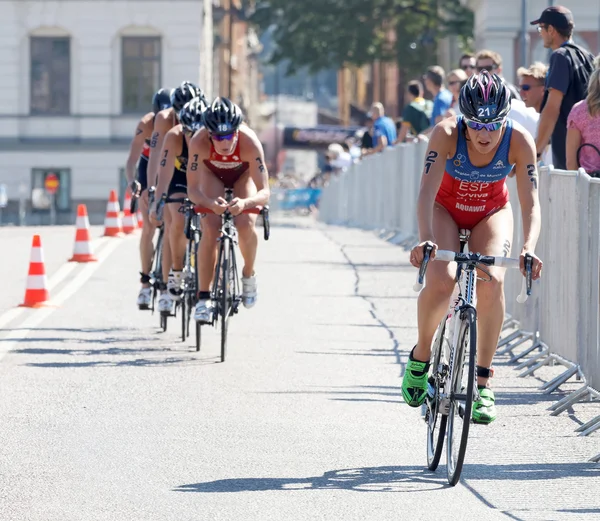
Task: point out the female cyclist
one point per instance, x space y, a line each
464 187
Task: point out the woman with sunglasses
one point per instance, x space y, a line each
172 181
226 154
463 186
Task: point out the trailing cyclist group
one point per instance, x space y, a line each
190 154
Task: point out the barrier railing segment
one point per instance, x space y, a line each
381 193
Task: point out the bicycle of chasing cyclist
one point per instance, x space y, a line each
178 303
452 380
190 284
156 279
226 294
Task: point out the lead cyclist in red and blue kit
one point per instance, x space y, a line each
464 187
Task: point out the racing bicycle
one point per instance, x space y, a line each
452 381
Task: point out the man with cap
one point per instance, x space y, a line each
566 82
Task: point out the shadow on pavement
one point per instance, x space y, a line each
138 362
397 478
365 393
373 479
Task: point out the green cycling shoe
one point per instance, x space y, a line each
484 409
414 383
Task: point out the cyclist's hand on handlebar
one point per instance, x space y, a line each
418 252
135 187
536 266
237 206
153 216
219 205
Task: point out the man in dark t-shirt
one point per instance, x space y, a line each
566 82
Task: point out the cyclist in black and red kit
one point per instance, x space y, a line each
139 153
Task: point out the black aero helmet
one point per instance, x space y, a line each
187 91
222 117
484 98
190 115
161 100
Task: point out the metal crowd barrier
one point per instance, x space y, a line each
380 193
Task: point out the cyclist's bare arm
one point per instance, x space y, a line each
251 147
440 145
172 146
162 124
523 154
143 131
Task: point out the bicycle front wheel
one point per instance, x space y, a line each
224 305
462 380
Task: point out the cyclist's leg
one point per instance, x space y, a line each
431 306
177 241
165 303
246 225
434 298
491 236
148 229
212 187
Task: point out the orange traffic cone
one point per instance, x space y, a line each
112 221
140 218
36 291
83 249
129 220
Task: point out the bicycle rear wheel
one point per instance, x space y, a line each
436 420
462 380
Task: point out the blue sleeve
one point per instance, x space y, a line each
378 131
559 73
441 104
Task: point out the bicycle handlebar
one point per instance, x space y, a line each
474 259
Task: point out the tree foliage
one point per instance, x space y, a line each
321 34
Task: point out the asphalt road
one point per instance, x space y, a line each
105 418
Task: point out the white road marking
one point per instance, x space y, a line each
67 291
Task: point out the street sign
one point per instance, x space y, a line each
51 183
3 196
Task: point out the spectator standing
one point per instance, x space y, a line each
366 140
492 62
531 87
467 64
416 113
442 97
566 83
384 130
456 79
583 128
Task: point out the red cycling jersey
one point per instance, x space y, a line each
227 168
470 193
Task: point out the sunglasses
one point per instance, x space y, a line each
528 87
486 67
467 66
540 27
456 82
225 137
490 127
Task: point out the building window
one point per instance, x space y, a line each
50 75
140 65
40 199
